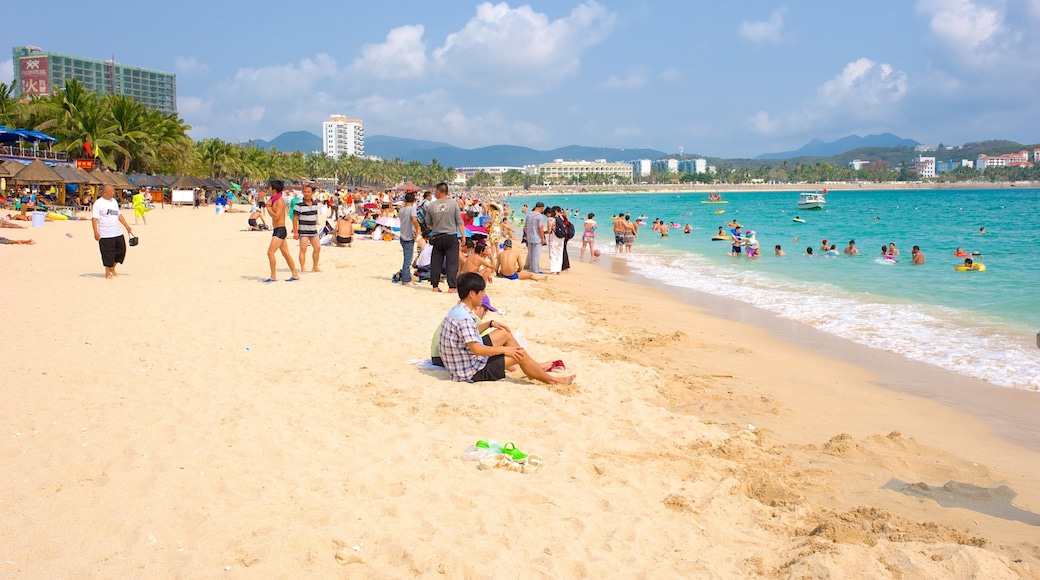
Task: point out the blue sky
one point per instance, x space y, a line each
717 78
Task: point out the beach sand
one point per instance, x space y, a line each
185 420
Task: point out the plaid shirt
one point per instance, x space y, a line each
458 329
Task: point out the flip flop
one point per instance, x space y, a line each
557 364
269 280
293 279
513 453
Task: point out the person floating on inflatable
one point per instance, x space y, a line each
970 266
960 253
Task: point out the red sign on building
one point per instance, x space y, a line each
34 75
87 164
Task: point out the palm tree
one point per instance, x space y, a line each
131 119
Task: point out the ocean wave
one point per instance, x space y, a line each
961 341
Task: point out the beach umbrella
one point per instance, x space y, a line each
3 171
120 180
88 177
143 180
406 186
389 222
36 172
69 175
188 182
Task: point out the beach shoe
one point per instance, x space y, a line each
557 364
515 454
269 280
533 464
494 460
293 279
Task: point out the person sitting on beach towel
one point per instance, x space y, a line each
463 351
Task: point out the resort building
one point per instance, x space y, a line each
666 165
951 165
1020 159
342 136
693 166
38 72
641 167
561 171
924 166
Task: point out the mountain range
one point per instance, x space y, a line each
817 148
388 147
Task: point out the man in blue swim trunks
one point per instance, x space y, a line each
510 265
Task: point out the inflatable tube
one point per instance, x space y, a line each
961 254
799 220
975 268
57 216
720 211
719 238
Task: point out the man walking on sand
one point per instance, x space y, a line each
276 208
534 229
106 218
305 227
466 356
446 229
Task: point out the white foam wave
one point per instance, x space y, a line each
959 341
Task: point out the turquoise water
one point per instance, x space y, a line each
981 324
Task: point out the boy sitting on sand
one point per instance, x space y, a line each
466 356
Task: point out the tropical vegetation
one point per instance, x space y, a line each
126 136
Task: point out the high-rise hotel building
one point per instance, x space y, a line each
38 72
342 136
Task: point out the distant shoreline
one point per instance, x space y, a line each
745 188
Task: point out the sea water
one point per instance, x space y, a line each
980 324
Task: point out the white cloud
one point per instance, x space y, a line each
864 91
190 65
976 34
7 71
402 56
283 82
864 83
770 30
518 51
631 82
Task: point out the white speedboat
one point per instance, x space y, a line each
815 200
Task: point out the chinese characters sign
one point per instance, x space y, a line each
34 75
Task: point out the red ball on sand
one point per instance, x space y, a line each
597 253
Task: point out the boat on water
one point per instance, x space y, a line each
812 200
714 198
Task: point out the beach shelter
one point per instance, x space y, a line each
188 182
120 180
39 173
3 171
406 186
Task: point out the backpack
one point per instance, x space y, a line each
421 217
559 227
570 229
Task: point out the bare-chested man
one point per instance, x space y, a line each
510 264
619 233
345 231
479 261
276 208
257 214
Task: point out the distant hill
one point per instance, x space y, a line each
388 147
303 141
514 156
817 148
393 147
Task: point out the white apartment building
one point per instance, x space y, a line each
342 136
1007 160
666 165
641 167
693 166
925 167
560 170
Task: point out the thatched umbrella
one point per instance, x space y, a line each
143 180
69 175
3 171
121 181
188 182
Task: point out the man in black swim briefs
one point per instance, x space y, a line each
278 234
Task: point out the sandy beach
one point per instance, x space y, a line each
185 420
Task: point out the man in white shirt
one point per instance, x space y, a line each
106 218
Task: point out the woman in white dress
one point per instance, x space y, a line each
555 244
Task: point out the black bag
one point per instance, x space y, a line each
133 240
559 227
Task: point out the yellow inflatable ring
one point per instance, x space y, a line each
975 268
57 216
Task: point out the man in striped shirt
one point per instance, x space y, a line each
305 227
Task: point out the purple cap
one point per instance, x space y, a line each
486 303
